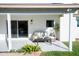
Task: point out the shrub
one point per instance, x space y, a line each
29 48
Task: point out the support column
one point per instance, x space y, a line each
9 31
70 39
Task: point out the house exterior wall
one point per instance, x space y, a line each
39 21
64 27
68 30
3 33
3 30
76 28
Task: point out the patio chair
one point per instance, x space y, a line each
51 34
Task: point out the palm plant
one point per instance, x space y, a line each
57 29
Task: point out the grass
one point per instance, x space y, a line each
75 51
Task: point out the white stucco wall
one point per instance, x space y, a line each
3 29
39 21
64 27
76 28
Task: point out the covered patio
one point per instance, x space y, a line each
36 17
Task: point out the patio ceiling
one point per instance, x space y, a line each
32 10
35 10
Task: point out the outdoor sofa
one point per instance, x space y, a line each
42 36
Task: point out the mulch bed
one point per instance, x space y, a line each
19 54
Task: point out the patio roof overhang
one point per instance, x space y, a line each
45 5
37 8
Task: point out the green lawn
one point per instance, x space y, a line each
75 51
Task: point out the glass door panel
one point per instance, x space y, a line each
14 29
23 28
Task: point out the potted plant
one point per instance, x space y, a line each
33 50
57 27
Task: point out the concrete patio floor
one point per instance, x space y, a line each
45 46
55 46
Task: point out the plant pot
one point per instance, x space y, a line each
36 53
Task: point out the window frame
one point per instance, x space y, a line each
17 28
77 19
51 22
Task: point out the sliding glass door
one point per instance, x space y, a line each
19 29
22 28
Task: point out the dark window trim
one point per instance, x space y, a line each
77 19
48 21
77 23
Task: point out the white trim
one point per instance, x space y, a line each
9 31
39 5
21 38
9 25
70 39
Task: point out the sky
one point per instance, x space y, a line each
39 1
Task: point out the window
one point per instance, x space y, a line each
50 23
77 21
